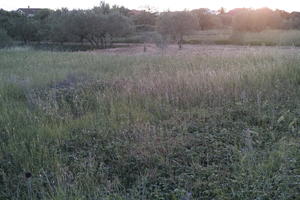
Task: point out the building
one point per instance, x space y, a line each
29 12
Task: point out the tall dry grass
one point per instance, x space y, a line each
217 125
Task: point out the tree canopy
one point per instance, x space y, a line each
101 25
176 25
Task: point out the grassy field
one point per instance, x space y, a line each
227 36
216 124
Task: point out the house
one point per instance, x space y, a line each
29 12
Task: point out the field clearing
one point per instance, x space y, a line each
263 38
195 50
207 122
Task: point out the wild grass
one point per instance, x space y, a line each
209 36
91 126
264 38
276 37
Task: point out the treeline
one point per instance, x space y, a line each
97 26
102 24
264 18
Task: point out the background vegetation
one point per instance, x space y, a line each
103 25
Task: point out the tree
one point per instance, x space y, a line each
256 20
58 26
176 25
222 11
121 10
77 24
103 8
118 25
5 39
24 29
96 30
205 18
144 21
7 21
97 26
42 22
268 18
293 21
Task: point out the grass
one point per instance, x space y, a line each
264 38
91 126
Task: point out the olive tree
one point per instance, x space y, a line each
5 39
58 26
205 18
98 28
117 25
176 25
24 29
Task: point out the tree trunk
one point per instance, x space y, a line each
105 42
180 42
102 43
111 41
145 47
81 40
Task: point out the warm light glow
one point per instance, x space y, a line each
289 5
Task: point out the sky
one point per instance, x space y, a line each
160 5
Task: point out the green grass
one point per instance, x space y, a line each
92 126
264 38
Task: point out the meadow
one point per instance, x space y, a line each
229 36
209 122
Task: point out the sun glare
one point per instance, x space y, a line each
289 5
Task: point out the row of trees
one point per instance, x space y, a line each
261 19
240 19
178 24
97 26
100 25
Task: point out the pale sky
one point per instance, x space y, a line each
161 5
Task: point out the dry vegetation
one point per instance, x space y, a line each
210 122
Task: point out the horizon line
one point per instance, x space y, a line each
161 10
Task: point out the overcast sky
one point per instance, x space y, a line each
161 5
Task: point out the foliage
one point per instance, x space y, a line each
97 26
91 25
58 31
145 21
25 29
293 21
5 40
104 24
206 20
176 25
256 20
